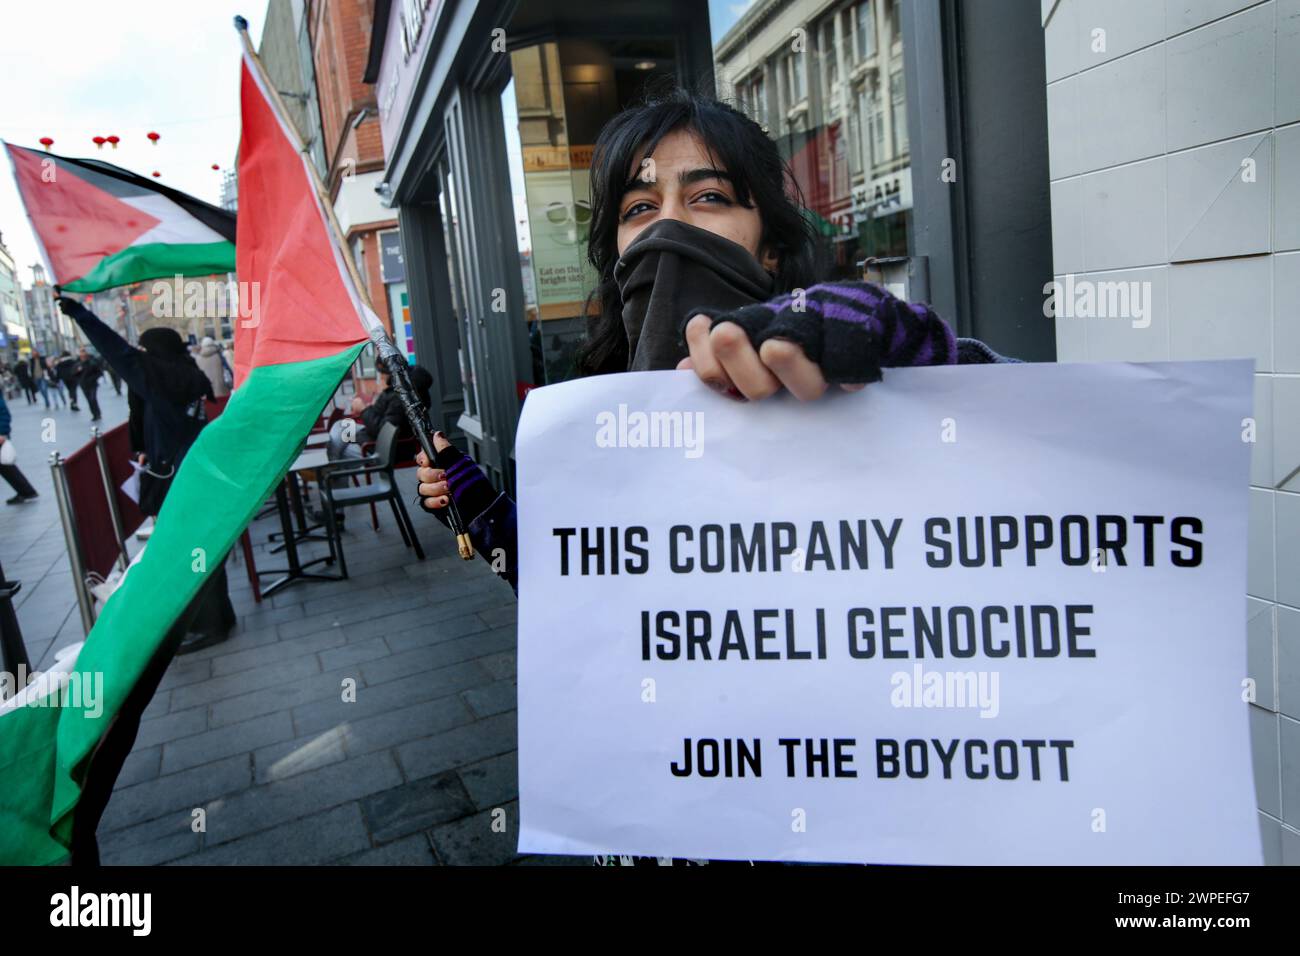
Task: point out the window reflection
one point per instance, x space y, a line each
836 104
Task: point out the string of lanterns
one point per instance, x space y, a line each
112 141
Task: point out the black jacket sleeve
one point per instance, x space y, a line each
117 352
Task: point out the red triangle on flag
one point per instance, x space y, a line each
297 299
78 224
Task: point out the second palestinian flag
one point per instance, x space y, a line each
102 226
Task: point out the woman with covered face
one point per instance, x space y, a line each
705 259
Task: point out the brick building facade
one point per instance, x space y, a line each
339 32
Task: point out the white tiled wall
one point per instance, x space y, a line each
1175 160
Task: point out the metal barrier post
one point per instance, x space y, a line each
101 454
72 541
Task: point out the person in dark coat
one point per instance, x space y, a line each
385 407
165 395
23 371
89 372
65 369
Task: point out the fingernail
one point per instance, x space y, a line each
445 500
736 394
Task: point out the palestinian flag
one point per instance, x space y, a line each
292 351
101 226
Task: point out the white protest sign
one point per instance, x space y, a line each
968 615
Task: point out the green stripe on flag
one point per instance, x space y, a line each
236 462
156 260
27 767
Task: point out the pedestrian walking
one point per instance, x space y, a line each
53 384
25 381
39 378
65 369
89 372
9 470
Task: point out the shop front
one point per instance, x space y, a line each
489 114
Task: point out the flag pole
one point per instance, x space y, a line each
393 359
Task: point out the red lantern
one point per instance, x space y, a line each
99 142
47 143
153 138
156 174
113 141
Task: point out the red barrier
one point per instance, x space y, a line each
117 448
90 511
215 406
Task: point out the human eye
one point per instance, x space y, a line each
634 210
714 196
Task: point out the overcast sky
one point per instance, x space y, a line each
75 69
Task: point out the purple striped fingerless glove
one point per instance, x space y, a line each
469 487
851 330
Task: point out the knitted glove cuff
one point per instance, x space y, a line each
469 487
851 330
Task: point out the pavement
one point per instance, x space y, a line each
263 734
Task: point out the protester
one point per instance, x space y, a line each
696 267
89 372
23 370
23 490
165 396
213 364
65 370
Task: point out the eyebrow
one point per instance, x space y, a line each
686 177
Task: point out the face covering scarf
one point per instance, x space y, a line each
672 270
